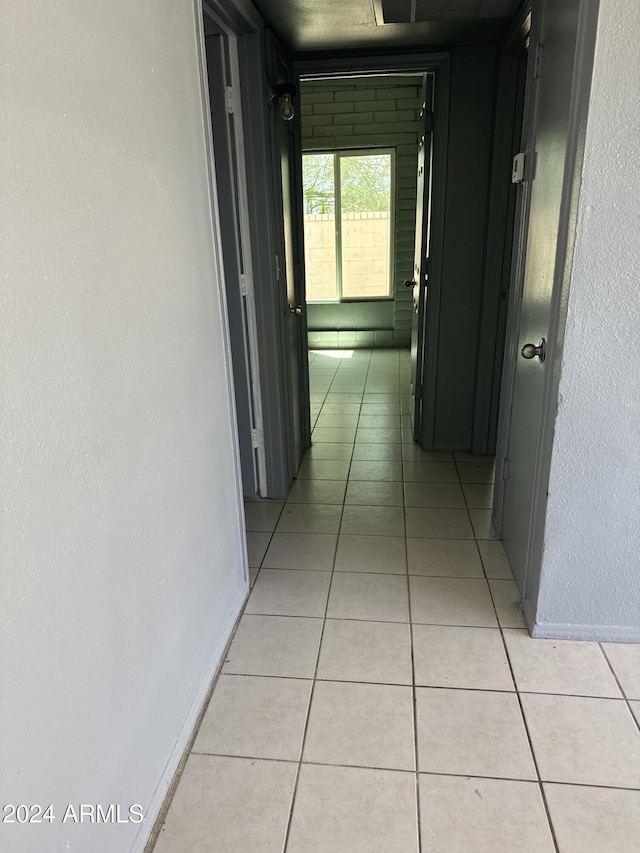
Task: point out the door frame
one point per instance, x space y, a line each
241 18
437 63
422 250
581 88
504 203
242 317
222 76
516 285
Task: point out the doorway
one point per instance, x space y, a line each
242 71
359 141
557 104
361 138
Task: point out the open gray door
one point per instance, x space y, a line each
296 326
557 73
290 261
419 282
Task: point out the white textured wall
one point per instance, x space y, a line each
121 549
590 583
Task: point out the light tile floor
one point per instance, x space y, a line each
381 693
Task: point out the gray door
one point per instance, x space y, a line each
419 281
295 319
552 73
287 145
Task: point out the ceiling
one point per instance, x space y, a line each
332 25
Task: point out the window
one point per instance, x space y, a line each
348 217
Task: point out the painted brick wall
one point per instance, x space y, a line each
382 111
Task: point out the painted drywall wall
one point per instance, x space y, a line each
121 548
590 579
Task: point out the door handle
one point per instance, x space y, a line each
530 351
295 309
409 282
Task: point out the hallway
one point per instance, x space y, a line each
381 693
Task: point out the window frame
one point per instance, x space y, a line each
338 154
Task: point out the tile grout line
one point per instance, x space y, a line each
414 695
526 727
308 711
412 772
312 691
425 685
413 673
414 708
623 692
262 559
414 703
413 670
409 611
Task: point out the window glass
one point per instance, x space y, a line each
365 206
319 226
347 224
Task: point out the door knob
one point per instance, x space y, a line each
530 351
409 282
295 309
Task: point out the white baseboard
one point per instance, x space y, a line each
186 730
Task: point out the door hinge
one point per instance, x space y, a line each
257 438
246 284
277 268
505 469
537 61
524 167
232 99
417 392
427 117
518 168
